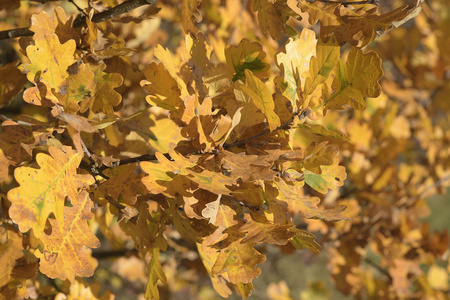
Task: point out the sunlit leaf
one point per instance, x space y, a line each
64 254
43 191
246 56
260 94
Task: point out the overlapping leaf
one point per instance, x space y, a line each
356 79
43 191
272 16
359 27
260 94
12 82
246 56
49 60
64 254
295 63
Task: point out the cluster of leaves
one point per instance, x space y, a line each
200 156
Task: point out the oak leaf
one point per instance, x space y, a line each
304 239
239 261
123 184
260 94
331 177
319 129
45 26
317 155
209 257
105 97
356 79
246 167
49 60
43 191
64 255
82 291
272 16
294 63
246 56
321 64
259 230
12 82
155 274
163 88
4 165
18 141
189 12
10 250
307 206
167 60
359 27
78 87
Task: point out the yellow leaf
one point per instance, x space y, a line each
45 26
43 191
105 97
17 141
80 290
155 274
239 261
272 16
359 27
317 155
211 210
79 86
307 206
64 254
356 79
208 258
319 129
295 63
321 65
304 239
259 230
246 56
188 13
166 59
260 94
123 184
49 60
10 250
331 177
438 278
163 88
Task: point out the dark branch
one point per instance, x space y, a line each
350 2
81 20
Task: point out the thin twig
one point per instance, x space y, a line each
350 2
81 20
379 268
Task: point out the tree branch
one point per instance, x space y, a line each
81 20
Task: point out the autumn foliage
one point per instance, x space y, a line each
189 137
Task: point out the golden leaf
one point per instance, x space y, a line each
260 94
163 88
356 79
43 191
10 249
295 63
64 255
49 60
246 56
